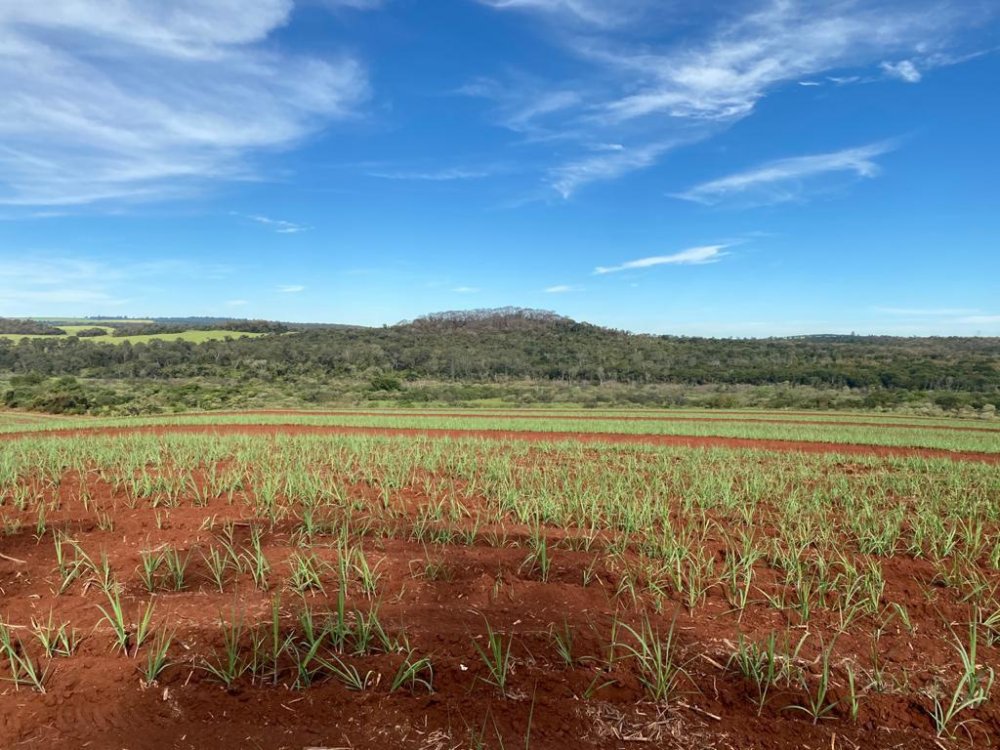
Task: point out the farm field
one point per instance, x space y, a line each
194 336
499 579
823 432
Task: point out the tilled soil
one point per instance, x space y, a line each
442 598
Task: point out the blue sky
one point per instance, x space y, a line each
725 168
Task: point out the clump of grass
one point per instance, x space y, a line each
114 615
412 674
368 574
149 567
305 573
256 562
818 702
496 656
759 665
971 691
218 564
654 655
349 675
156 657
24 670
57 639
69 568
562 639
539 558
176 567
228 667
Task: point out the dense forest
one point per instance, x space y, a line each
497 352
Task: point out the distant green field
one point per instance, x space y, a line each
75 329
90 322
193 336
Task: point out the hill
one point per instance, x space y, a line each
525 356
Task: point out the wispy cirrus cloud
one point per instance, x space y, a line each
465 289
691 256
786 179
525 104
353 4
687 87
597 12
913 70
139 101
562 289
434 175
290 288
278 225
567 178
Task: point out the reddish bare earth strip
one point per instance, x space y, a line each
687 441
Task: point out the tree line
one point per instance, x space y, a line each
512 345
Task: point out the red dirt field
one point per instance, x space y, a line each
686 441
96 699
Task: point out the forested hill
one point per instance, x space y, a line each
488 346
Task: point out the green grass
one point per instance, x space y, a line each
918 435
14 418
649 414
92 323
75 329
196 337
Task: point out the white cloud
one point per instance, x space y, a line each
691 256
652 84
439 175
598 12
526 105
905 70
783 179
465 289
278 225
562 289
567 178
135 100
354 4
980 319
290 288
723 76
237 302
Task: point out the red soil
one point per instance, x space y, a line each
95 699
688 441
